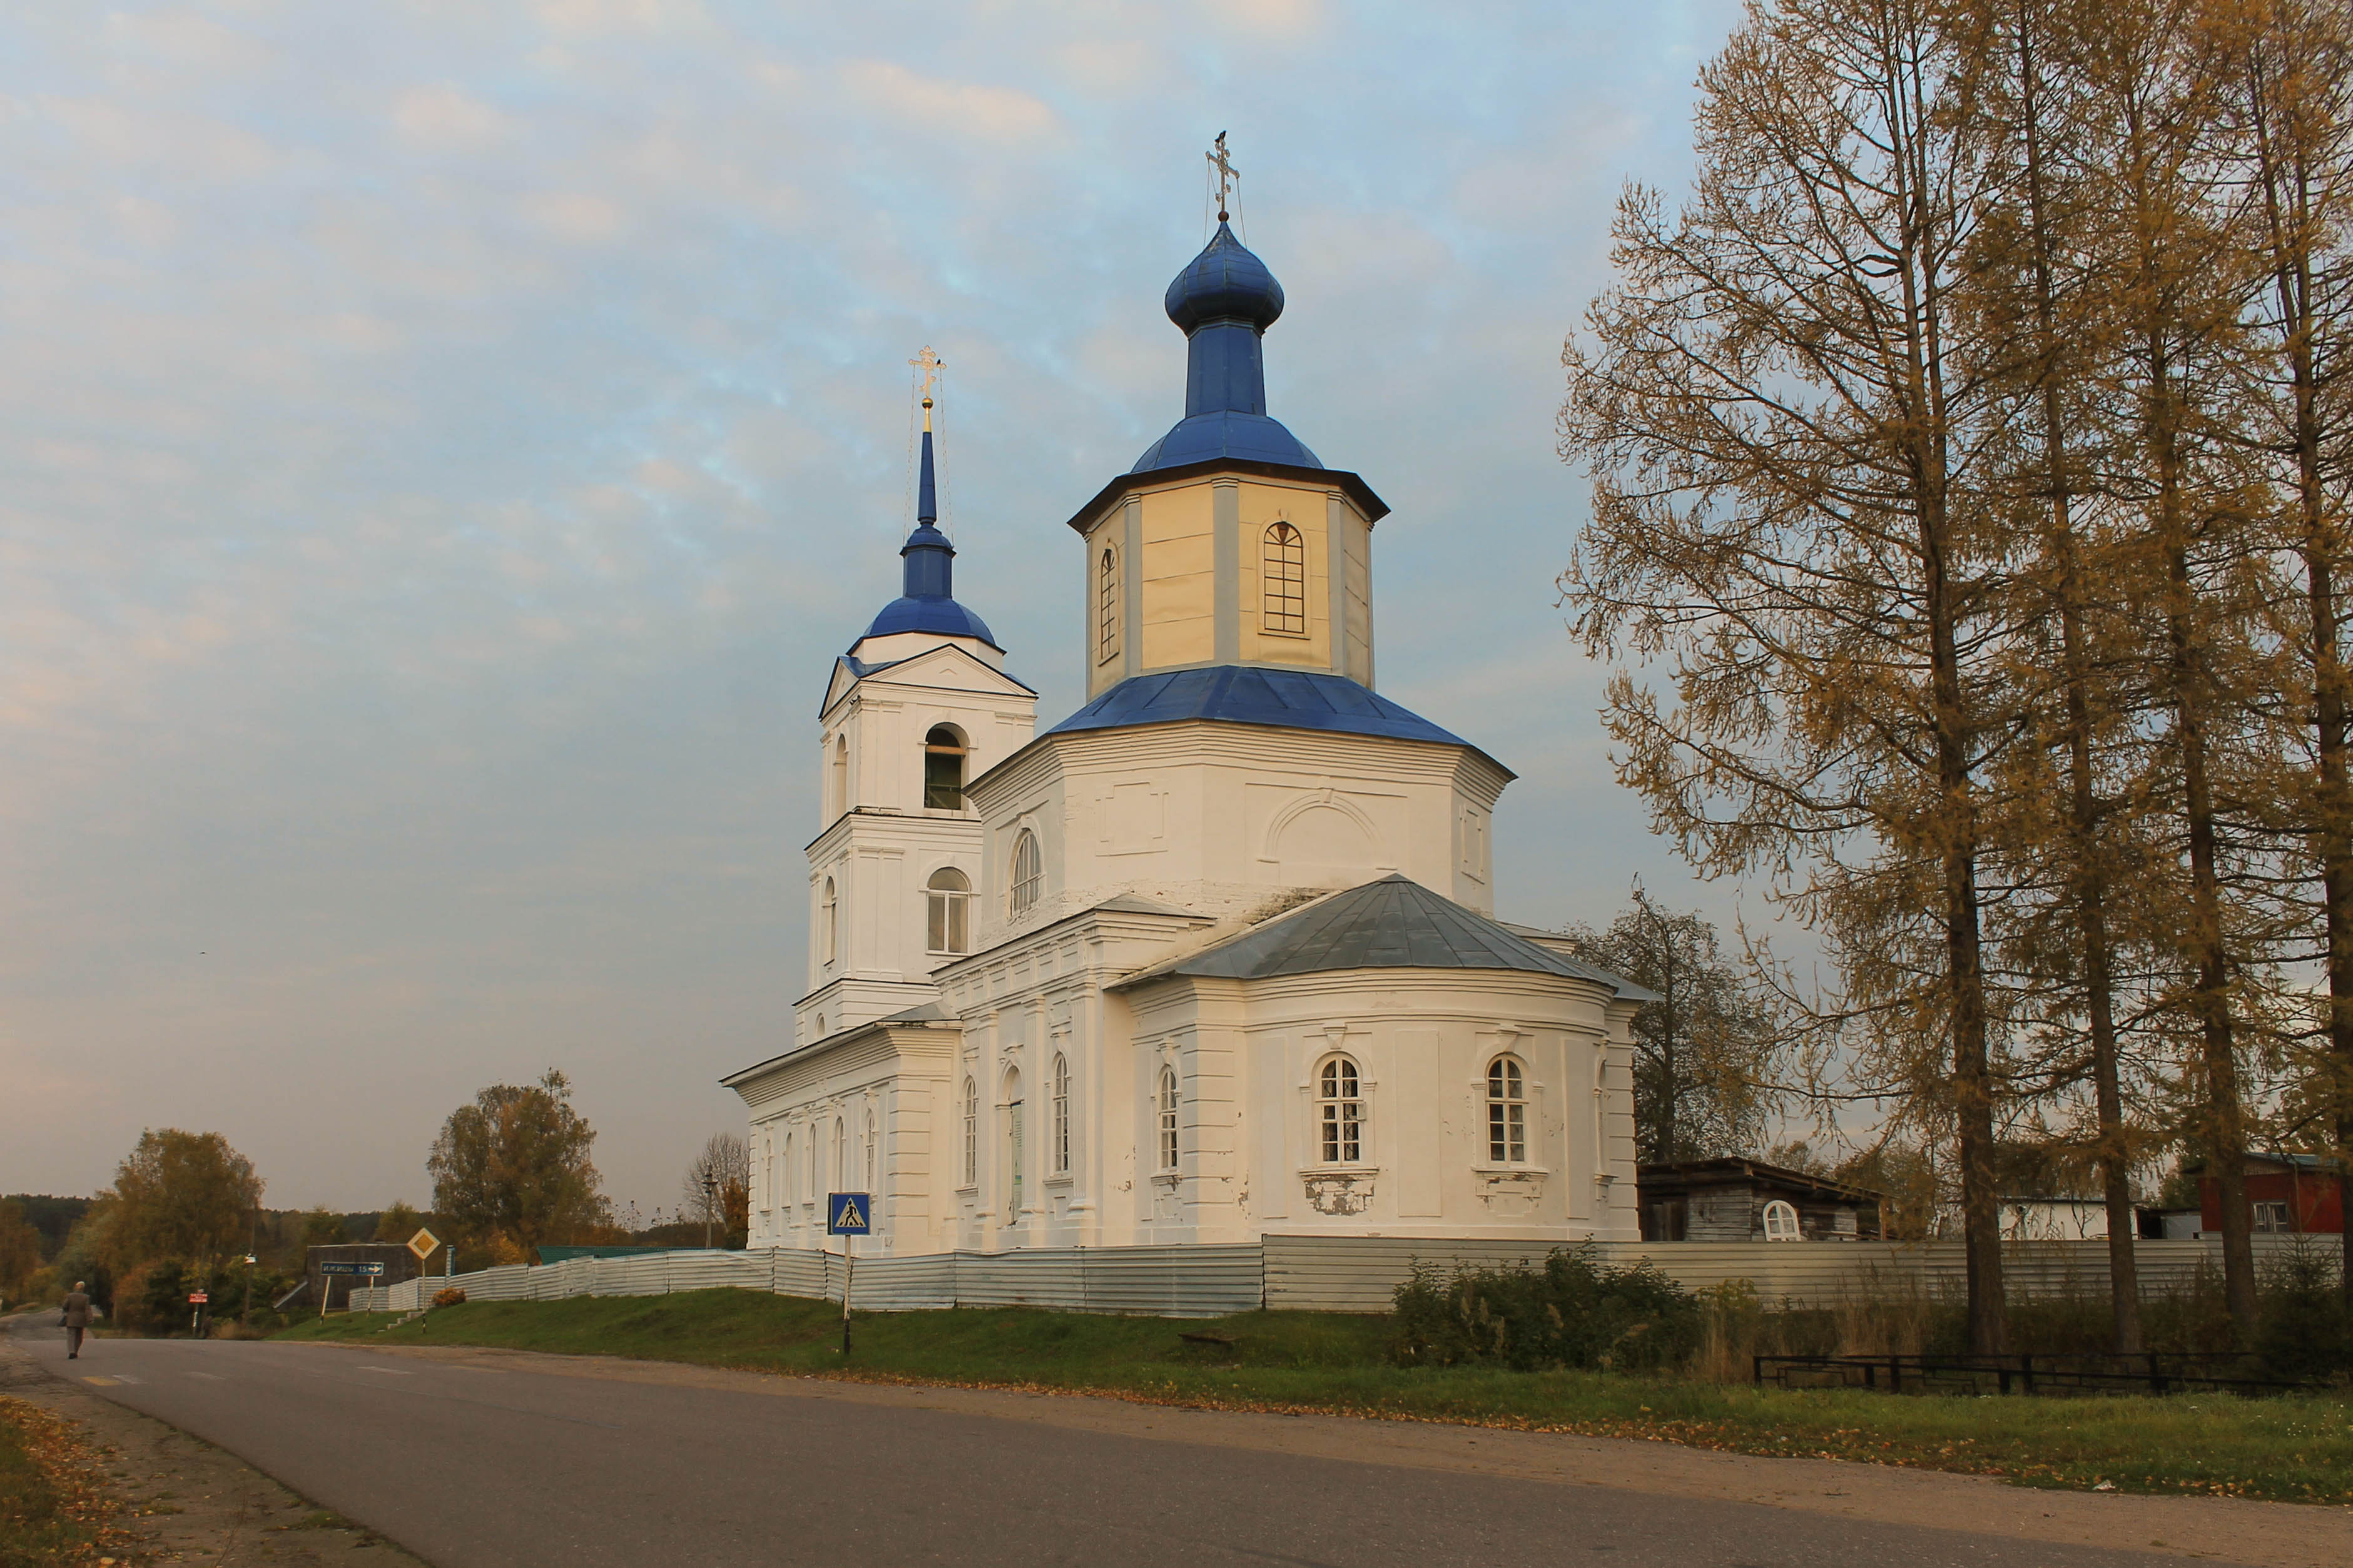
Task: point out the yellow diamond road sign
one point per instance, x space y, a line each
422 1242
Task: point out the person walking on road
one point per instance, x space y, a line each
75 1320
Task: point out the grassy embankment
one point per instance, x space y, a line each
2298 1449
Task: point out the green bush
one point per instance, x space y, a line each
1570 1313
2305 1332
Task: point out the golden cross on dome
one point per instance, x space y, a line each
1227 176
930 364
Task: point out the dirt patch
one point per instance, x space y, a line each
166 1497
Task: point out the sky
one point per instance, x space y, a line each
443 447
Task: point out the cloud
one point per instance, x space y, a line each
442 119
447 449
998 114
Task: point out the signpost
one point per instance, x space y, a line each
327 1287
848 1215
198 1298
422 1244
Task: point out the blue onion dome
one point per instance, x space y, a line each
1225 300
1225 283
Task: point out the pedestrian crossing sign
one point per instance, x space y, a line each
848 1214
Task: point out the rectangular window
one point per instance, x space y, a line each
2272 1218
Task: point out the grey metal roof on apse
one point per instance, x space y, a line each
1394 923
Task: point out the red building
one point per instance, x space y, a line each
2290 1194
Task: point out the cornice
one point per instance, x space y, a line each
1350 485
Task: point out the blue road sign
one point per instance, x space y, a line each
351 1268
848 1214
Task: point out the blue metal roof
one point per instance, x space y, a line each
1225 433
1225 299
1282 699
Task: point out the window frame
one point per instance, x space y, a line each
1507 1110
1775 1209
1025 873
1167 1145
1283 581
1058 1129
829 919
971 1134
1107 606
945 796
948 913
1340 1120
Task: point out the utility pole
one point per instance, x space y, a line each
710 1203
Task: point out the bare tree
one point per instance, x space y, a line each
717 1187
1705 1052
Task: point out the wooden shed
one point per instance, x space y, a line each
1747 1200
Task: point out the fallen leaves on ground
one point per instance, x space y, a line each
56 1505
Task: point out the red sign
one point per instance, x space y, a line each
199 1297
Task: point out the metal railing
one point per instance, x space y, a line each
2150 1371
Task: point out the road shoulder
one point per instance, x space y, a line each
185 1500
2230 1529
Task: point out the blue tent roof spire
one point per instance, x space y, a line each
927 591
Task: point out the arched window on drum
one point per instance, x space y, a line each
1282 580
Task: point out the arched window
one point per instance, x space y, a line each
1781 1221
788 1169
971 1134
1061 1129
1167 1119
1507 1112
840 1155
873 1155
950 893
821 1027
943 754
1029 872
840 774
1339 1113
1107 607
829 916
809 1195
1282 580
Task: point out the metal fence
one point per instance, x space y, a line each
1160 1281
1322 1273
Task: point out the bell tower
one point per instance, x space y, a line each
919 707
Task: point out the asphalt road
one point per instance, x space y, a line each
467 1465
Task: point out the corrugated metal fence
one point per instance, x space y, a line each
1323 1273
1161 1281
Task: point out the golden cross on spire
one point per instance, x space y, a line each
1226 175
930 364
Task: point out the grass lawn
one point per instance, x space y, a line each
2296 1449
53 1506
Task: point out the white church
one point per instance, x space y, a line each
1215 956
